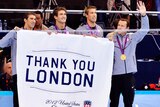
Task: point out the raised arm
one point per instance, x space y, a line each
139 35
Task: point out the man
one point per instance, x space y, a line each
6 77
90 28
10 39
7 67
119 5
39 22
124 59
111 3
60 17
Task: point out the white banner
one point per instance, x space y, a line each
60 70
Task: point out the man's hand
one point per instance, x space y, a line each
110 4
17 28
142 8
110 35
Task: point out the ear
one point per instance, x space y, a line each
25 20
127 29
55 17
85 15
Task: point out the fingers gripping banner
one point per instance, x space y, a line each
63 70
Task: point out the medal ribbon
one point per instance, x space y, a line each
63 31
93 31
122 48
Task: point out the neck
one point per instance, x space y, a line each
122 34
36 27
60 25
91 24
27 27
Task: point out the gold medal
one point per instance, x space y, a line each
123 57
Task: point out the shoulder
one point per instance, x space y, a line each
99 27
68 28
44 27
81 27
52 27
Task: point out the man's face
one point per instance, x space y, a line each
122 27
30 22
61 17
39 20
92 15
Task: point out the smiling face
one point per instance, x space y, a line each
122 27
91 15
30 22
61 17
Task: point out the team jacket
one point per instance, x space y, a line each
129 65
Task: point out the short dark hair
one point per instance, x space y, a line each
123 19
115 23
39 12
57 9
26 15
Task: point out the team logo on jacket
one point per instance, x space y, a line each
87 103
